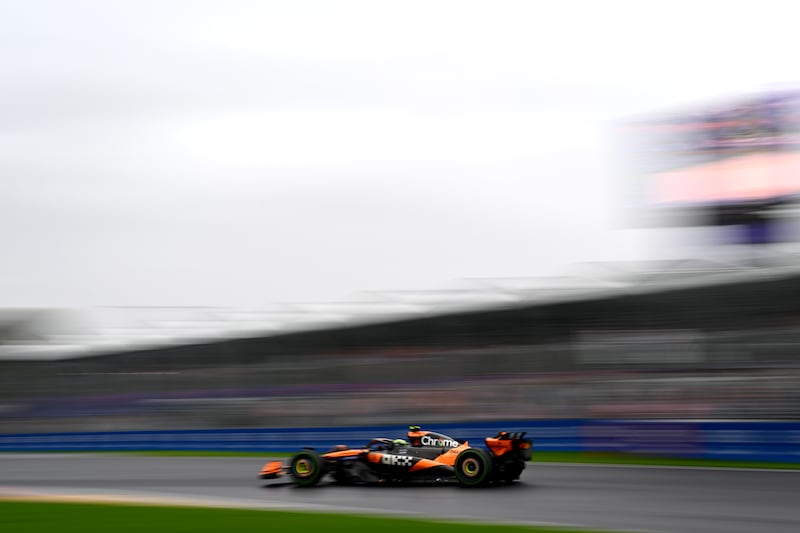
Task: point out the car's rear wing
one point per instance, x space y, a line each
510 442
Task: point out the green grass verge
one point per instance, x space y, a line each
39 517
546 457
629 459
538 457
212 453
161 453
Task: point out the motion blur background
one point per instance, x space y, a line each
341 213
691 342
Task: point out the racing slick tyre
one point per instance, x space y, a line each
511 472
306 468
473 467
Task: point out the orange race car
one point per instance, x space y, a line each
425 456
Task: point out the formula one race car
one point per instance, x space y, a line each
425 456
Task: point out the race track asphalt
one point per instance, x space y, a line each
621 498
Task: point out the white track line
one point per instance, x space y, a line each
70 495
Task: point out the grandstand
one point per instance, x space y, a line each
689 339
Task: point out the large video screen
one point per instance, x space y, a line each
728 153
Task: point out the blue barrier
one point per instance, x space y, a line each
753 441
734 440
550 435
775 441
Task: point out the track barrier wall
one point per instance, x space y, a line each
746 441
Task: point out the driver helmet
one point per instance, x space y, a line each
414 435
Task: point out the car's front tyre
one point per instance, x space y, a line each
306 468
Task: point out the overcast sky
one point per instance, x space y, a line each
244 153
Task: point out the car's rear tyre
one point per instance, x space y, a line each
472 467
306 468
512 472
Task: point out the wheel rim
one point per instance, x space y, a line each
471 467
303 468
